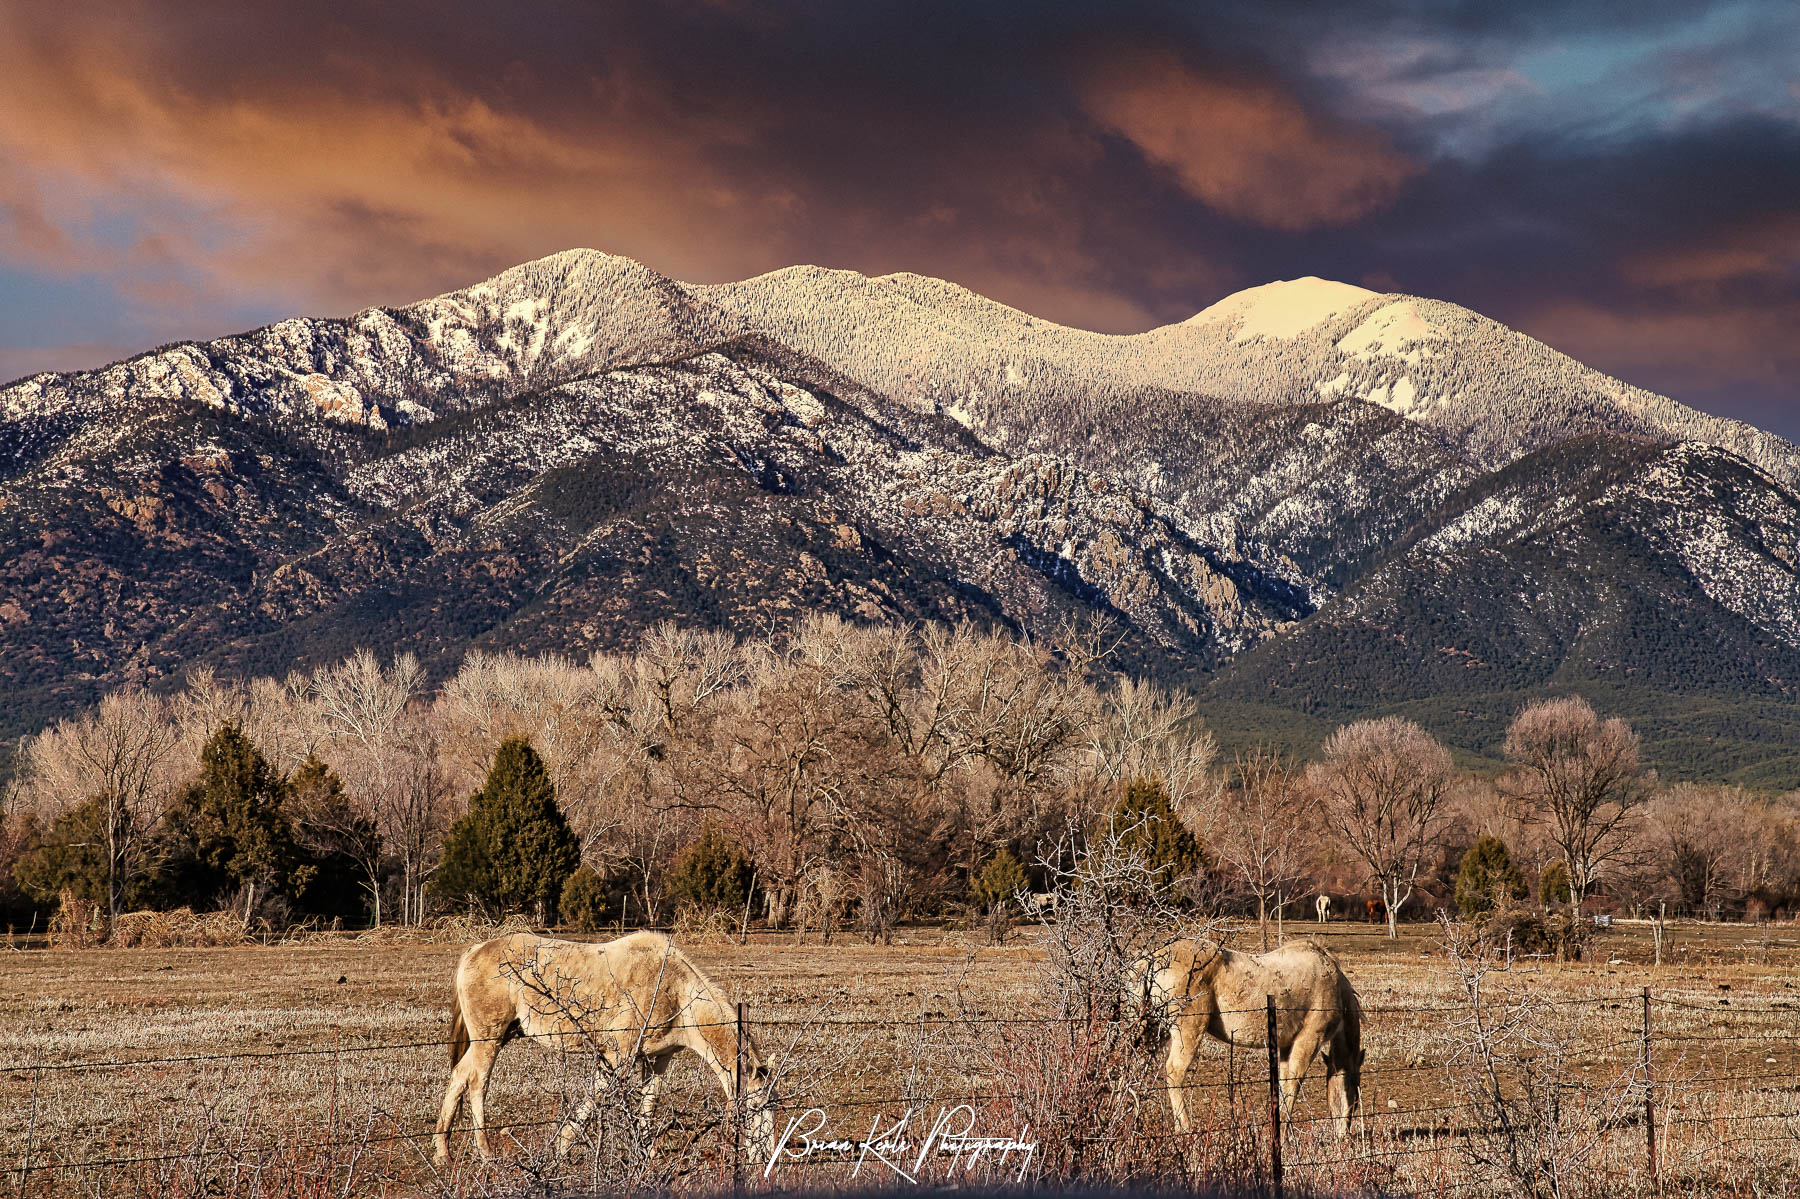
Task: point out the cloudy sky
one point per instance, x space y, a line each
1620 179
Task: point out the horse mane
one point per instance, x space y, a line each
717 1026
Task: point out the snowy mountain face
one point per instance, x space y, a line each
1314 495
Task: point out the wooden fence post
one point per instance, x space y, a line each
1274 1104
737 1087
1649 1099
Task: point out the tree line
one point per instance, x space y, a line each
830 773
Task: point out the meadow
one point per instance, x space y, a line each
314 1067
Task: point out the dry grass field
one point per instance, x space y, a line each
311 1068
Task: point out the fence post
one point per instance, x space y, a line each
1649 1099
737 1087
1274 1104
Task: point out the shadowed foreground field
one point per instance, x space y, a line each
313 1068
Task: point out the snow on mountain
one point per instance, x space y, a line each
1282 309
1489 392
1319 483
1397 330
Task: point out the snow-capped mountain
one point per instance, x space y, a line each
1308 495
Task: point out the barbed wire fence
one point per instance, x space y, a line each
1667 1101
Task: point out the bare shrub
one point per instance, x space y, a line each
77 923
178 928
1511 1062
1084 1078
696 925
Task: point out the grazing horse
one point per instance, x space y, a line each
1197 989
637 1000
1322 905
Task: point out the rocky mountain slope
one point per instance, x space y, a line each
1308 498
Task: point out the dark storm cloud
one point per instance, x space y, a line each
1615 178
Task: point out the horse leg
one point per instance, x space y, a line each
1299 1057
1181 1056
453 1097
578 1120
1337 1086
480 1059
467 1080
654 1070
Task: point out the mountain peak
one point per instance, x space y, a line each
1285 308
577 270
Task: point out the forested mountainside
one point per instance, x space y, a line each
1309 500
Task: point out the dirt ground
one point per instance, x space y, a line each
125 1053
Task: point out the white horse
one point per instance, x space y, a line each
1197 989
1322 905
638 999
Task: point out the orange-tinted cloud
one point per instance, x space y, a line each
1246 147
1766 247
184 168
384 171
1730 358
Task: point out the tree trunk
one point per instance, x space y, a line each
1262 919
1391 900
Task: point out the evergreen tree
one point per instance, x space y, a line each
1553 885
342 839
1000 881
1487 878
714 874
1148 826
514 849
235 823
69 856
583 902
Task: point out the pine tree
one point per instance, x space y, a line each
236 821
713 875
66 857
343 839
583 902
514 849
1147 825
1553 885
1487 878
1000 881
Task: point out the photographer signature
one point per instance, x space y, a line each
952 1136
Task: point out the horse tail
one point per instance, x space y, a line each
459 1031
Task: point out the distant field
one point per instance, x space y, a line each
863 1026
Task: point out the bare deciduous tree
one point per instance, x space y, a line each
1144 730
1580 777
1262 831
1383 788
120 756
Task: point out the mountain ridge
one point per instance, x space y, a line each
1261 498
